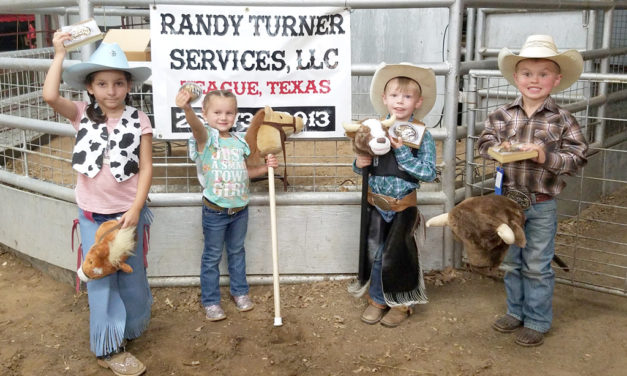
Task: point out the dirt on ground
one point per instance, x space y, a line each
44 329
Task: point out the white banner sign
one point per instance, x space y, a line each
292 59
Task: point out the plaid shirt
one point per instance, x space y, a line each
421 166
550 126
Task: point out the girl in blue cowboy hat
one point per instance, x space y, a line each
113 155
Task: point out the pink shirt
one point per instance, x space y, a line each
103 194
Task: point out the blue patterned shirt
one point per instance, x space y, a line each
421 166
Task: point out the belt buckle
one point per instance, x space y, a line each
231 211
381 203
519 197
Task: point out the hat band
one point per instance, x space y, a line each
540 44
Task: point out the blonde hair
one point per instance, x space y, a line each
403 83
218 93
539 59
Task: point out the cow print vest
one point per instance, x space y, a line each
92 141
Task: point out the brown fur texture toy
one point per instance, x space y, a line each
267 133
486 225
369 136
108 254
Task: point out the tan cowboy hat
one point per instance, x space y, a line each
425 77
543 47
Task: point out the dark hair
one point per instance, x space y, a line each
94 113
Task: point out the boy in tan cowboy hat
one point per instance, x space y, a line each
396 283
535 122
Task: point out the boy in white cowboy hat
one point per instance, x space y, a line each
535 122
113 155
406 92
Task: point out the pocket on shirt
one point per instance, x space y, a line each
547 135
504 131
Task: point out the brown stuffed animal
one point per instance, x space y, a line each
487 225
267 133
370 136
108 254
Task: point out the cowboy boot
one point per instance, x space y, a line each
395 316
374 312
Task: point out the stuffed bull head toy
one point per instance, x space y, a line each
108 254
486 225
370 136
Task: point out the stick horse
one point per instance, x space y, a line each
266 135
369 138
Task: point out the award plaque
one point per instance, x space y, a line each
410 133
194 90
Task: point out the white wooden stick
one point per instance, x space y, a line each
278 321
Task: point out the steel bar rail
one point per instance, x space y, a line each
18 6
38 6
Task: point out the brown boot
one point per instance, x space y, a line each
373 313
396 316
507 324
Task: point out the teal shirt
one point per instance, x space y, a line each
221 168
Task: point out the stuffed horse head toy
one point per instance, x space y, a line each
370 136
108 254
486 225
267 133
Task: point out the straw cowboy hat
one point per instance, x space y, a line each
425 77
109 56
543 47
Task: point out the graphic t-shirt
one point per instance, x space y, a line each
222 169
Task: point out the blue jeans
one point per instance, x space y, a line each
221 229
529 278
376 285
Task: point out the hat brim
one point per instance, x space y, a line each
424 76
570 63
75 75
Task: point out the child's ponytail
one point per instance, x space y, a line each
93 112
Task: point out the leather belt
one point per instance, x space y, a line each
229 211
526 199
388 203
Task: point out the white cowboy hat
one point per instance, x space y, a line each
543 47
425 77
108 56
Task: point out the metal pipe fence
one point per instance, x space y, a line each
36 144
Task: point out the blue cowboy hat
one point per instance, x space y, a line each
108 56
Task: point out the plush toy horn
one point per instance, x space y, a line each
504 231
438 221
388 122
